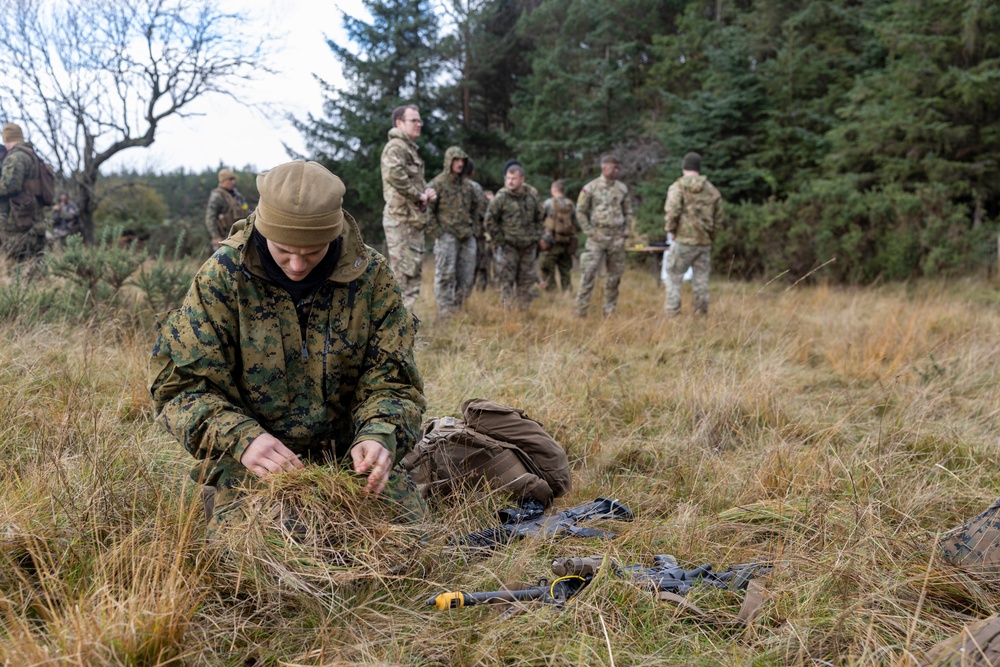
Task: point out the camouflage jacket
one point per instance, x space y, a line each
454 211
693 210
604 207
19 210
233 361
402 180
223 210
482 203
514 218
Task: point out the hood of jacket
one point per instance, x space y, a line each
353 257
693 183
450 155
396 133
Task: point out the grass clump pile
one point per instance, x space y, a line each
312 531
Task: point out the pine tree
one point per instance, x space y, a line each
392 60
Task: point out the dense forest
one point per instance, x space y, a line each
853 140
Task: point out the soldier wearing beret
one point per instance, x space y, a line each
292 347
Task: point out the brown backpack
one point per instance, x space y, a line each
495 445
975 544
561 224
977 645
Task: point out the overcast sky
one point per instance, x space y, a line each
226 130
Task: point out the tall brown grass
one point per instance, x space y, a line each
836 432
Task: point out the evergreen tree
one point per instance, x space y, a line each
392 60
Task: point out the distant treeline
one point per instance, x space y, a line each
866 132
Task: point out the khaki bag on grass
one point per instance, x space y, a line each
975 544
494 445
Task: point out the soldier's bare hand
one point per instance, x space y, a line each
369 455
431 194
267 455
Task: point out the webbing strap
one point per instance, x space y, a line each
753 603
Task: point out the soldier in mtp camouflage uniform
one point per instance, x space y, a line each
560 240
604 213
693 213
225 206
22 219
291 347
406 200
514 226
452 218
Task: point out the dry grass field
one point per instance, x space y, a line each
836 432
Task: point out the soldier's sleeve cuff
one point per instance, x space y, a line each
384 434
242 436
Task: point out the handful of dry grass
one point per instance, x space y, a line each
313 530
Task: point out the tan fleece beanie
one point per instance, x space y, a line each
225 175
300 204
12 132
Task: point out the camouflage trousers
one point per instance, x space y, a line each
22 246
514 270
557 258
224 502
405 246
454 271
679 259
484 264
612 251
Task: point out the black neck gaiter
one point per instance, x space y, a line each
298 290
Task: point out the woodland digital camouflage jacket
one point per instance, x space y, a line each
19 211
402 179
515 218
455 209
693 210
232 362
604 206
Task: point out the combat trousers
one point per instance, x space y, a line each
612 251
680 257
557 258
454 271
515 273
224 502
484 262
405 246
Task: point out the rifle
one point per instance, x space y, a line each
666 575
530 521
574 574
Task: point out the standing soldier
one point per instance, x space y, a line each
406 200
693 213
452 216
560 240
22 221
225 206
604 213
514 226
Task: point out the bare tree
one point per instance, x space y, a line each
91 78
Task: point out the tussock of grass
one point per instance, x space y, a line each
312 531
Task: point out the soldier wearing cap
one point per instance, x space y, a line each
292 347
22 219
225 206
